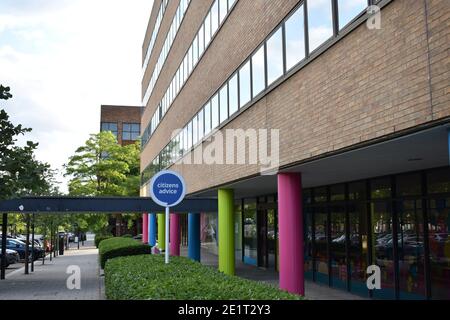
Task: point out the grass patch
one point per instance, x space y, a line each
146 277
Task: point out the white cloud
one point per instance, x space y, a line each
64 62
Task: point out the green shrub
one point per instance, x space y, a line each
127 236
99 238
148 277
118 247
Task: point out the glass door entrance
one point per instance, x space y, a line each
267 233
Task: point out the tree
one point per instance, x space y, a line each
102 167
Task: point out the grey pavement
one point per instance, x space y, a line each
313 291
48 281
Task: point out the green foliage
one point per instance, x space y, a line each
118 247
127 236
20 173
148 277
100 238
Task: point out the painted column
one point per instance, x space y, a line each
161 231
194 236
152 229
226 231
290 227
175 234
145 228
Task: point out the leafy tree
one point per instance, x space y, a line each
102 167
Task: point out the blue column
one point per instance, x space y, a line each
194 236
152 229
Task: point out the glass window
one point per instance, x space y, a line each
259 83
207 29
244 85
207 112
201 41
357 190
380 188
233 94
295 38
200 125
195 51
438 181
250 232
348 10
275 56
186 139
338 244
110 126
190 55
321 245
230 3
223 103
408 184
320 194
215 111
195 130
337 192
214 17
189 134
223 10
320 24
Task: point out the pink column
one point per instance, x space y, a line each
175 234
145 228
290 226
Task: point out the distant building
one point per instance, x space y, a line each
124 123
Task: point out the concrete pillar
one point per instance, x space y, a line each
152 229
145 228
161 231
194 236
175 234
226 231
290 226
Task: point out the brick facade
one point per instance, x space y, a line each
121 115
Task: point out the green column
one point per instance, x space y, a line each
226 231
161 231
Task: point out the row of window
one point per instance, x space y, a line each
176 23
162 10
209 27
130 131
281 51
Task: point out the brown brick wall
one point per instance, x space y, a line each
369 84
121 115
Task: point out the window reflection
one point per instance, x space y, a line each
207 29
250 238
295 38
348 10
244 84
320 24
275 56
223 103
320 244
258 73
200 125
215 111
214 17
222 9
195 130
233 94
207 112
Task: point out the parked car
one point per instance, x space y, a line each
20 246
12 257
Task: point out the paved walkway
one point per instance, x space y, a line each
48 281
313 291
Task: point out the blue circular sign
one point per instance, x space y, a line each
167 188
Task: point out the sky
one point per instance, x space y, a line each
65 58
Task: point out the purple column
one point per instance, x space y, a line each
145 228
290 226
175 234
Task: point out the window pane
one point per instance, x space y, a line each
295 38
380 188
134 135
258 72
201 41
233 92
250 232
189 62
195 129
214 17
195 51
224 103
438 181
223 9
207 29
126 127
244 84
320 25
215 111
349 10
200 125
207 111
275 56
321 244
230 3
189 128
113 126
126 135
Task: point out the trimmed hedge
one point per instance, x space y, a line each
148 277
118 247
99 238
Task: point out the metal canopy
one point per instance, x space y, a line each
101 205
